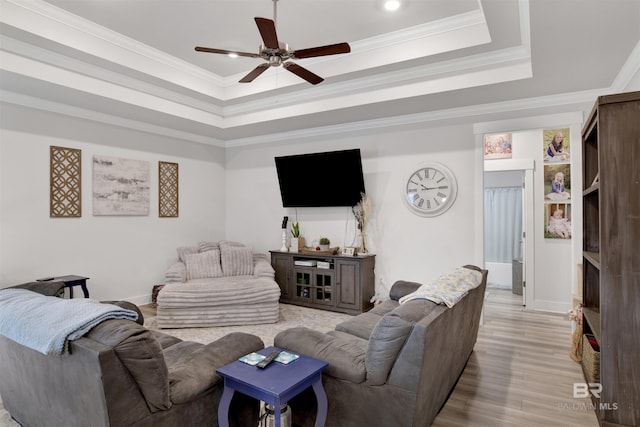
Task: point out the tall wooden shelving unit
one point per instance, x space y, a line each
611 252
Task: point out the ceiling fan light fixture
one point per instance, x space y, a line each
276 53
391 5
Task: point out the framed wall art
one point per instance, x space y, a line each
168 200
120 186
65 182
498 146
556 146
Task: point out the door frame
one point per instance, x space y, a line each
526 166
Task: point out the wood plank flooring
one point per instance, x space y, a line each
519 373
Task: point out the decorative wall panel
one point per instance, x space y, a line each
168 189
65 195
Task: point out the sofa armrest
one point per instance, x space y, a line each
402 288
194 373
262 268
52 288
177 273
345 357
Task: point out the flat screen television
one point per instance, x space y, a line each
331 178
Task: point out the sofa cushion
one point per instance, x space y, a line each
203 265
385 343
141 354
360 326
345 356
236 260
195 372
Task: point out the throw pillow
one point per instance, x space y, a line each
386 340
236 260
207 246
203 265
228 243
183 251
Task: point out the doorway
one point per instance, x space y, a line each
503 229
524 169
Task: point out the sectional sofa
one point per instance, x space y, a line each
396 364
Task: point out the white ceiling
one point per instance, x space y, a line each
132 62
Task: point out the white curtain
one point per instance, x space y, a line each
502 224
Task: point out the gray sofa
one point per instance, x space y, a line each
122 374
394 365
218 284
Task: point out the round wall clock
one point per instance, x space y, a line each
430 190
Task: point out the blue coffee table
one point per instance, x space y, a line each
275 384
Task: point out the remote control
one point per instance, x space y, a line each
263 364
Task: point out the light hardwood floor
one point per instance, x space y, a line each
519 373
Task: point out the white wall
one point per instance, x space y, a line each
234 194
407 246
123 256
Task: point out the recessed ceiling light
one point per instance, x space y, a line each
392 5
233 55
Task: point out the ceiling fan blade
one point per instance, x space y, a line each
299 71
226 52
331 49
254 73
268 33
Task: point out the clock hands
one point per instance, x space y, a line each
434 188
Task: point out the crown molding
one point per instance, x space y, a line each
83 113
630 68
432 116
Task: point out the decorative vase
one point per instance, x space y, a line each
297 243
363 243
294 245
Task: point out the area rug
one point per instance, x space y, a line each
290 316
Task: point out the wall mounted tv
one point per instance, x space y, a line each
321 179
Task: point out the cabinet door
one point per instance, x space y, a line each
348 284
282 265
302 284
323 292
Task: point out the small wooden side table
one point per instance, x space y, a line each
71 281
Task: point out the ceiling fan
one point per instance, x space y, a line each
277 53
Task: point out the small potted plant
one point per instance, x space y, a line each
297 241
324 244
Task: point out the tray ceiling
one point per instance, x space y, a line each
132 63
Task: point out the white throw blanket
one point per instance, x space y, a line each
447 289
47 324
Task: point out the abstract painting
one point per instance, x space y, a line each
120 186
